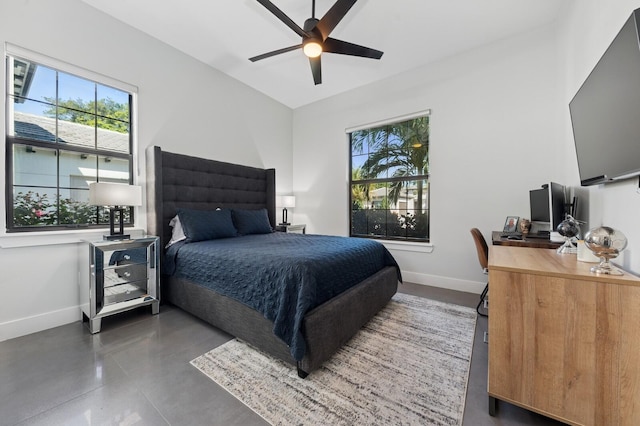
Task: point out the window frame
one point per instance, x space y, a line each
15 52
388 180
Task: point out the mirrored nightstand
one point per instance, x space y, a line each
116 276
295 229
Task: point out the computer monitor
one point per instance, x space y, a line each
539 203
558 204
548 207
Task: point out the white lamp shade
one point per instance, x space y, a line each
287 201
114 194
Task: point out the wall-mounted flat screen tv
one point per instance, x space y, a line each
605 112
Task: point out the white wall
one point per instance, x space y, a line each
183 106
495 132
586 32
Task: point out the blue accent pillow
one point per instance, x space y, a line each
252 221
201 225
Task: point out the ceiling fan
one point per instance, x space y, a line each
315 36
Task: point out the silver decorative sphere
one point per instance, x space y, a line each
606 243
569 229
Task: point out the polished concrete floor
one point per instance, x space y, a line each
136 371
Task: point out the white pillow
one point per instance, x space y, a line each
177 234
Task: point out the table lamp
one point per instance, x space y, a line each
115 196
286 201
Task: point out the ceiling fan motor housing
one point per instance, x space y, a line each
315 36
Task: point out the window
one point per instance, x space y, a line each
63 132
390 180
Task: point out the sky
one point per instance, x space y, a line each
69 86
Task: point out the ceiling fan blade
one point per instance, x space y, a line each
275 52
332 45
284 18
333 17
316 70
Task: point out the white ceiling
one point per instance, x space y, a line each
411 33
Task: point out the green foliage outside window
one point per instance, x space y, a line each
110 115
34 209
388 223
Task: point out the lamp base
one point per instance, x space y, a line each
119 235
116 237
285 219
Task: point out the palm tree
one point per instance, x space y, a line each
359 192
398 152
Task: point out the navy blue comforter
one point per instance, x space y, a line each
281 275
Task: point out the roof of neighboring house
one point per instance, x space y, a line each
42 128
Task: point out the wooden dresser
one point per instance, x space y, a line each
563 342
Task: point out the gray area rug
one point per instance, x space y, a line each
408 365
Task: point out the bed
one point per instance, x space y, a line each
177 182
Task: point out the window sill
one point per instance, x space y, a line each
48 238
408 246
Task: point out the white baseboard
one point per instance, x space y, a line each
35 323
444 282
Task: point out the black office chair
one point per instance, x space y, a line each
483 258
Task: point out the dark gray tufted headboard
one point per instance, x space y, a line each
175 180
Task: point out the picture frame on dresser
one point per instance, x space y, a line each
511 224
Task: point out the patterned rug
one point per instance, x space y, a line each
408 365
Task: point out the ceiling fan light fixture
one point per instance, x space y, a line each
314 35
312 48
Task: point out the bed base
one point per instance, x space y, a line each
325 328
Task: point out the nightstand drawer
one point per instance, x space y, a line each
116 275
121 256
124 292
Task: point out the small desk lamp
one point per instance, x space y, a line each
115 196
286 201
